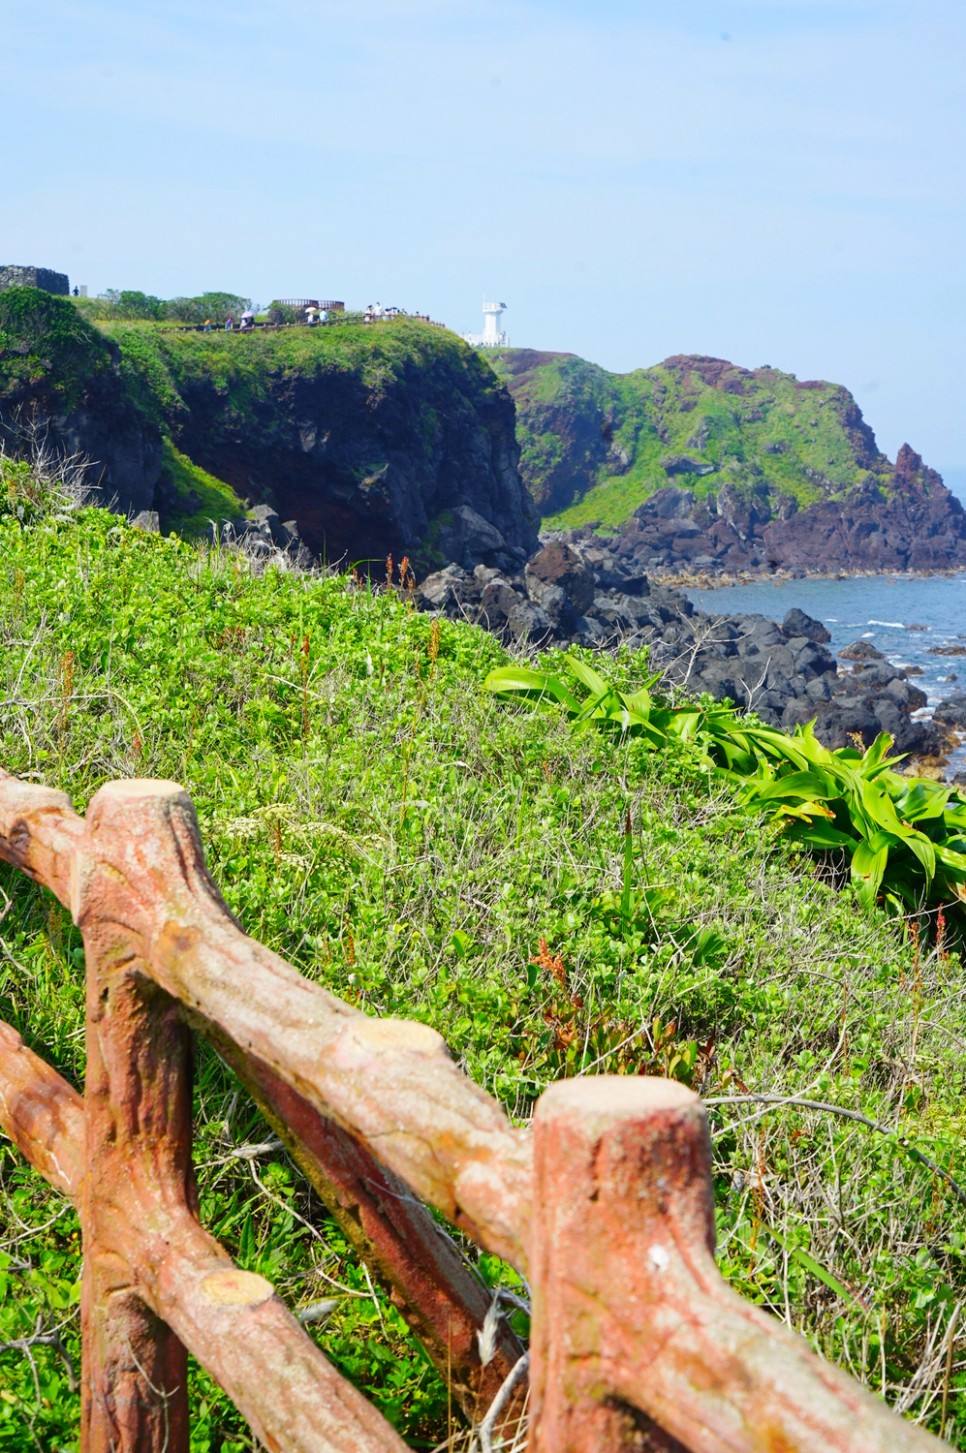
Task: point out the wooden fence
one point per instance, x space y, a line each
604 1204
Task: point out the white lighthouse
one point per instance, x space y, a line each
493 335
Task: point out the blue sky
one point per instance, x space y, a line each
770 181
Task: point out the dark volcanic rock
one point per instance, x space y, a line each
913 524
861 651
559 581
952 711
467 537
684 464
577 591
797 623
424 466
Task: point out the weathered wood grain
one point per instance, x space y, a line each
169 1270
637 1341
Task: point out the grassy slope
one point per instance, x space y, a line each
789 439
370 814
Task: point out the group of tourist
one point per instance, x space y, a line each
246 323
375 312
314 316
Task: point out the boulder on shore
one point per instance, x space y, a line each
580 592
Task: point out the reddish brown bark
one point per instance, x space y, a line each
137 1104
228 1319
392 1232
42 1114
39 833
637 1341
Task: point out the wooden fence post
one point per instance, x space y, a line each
609 1153
138 1130
138 861
638 1343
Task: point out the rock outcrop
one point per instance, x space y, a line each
908 522
415 457
62 391
14 276
699 465
583 593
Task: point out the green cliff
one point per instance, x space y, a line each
595 445
393 438
726 465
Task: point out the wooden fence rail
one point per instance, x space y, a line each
605 1204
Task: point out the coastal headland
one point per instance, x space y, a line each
352 443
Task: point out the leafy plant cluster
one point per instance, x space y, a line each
553 902
45 343
130 304
903 839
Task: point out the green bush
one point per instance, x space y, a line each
46 343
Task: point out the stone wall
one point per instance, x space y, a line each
35 277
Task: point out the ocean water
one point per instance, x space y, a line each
905 617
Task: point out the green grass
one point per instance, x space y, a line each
372 814
196 499
165 361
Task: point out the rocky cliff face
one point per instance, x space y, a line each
393 439
62 390
700 464
422 461
909 522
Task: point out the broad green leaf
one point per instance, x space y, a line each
868 865
798 784
822 835
805 811
922 800
537 684
587 676
875 757
919 844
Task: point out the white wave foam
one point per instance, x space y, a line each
895 625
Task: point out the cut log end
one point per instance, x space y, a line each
137 789
400 1034
233 1288
609 1098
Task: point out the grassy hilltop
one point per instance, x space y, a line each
423 850
371 436
595 445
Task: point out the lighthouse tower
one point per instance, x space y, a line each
493 335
